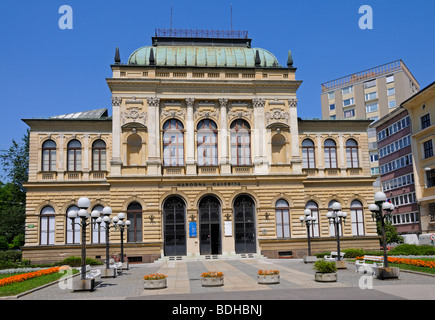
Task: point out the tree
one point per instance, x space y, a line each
391 234
15 163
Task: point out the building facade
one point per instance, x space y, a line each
205 154
369 94
421 108
396 169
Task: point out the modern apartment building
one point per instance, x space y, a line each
369 94
396 171
421 108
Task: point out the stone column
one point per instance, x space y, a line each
190 138
294 132
116 162
258 135
154 160
224 160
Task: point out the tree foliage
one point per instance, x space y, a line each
15 163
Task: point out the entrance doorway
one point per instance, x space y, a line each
174 212
244 225
209 226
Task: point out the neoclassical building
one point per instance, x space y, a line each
205 153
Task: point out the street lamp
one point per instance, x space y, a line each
122 225
309 221
381 211
83 203
336 217
107 211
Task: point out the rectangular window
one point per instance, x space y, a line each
347 90
425 121
349 113
371 96
332 107
391 91
392 104
370 84
428 149
331 95
348 102
390 79
372 107
430 177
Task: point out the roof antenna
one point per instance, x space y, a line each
231 18
171 20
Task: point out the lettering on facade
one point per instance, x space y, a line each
203 184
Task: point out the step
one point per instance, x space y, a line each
214 257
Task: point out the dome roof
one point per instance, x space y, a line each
203 56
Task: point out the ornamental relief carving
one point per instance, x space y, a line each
133 115
239 114
277 115
173 113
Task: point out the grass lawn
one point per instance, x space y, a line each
20 287
413 268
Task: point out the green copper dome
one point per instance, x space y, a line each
203 56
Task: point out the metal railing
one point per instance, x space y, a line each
194 33
362 75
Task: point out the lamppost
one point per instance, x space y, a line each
309 221
122 225
83 203
381 211
336 218
107 211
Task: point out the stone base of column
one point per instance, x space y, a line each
191 169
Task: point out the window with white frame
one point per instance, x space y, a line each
372 107
282 219
357 218
47 222
390 79
392 104
391 91
347 90
349 113
314 227
348 102
371 96
331 95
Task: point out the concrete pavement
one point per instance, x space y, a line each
297 283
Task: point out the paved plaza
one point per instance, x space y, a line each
297 283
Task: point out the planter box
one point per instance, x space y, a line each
83 284
155 284
341 264
268 279
325 277
212 281
383 273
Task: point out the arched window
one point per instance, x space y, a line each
49 156
207 140
308 158
74 155
282 215
99 155
134 146
357 218
134 214
330 150
47 220
314 228
72 229
352 153
98 234
332 232
173 143
240 143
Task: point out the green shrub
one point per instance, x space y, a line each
77 262
412 249
4 243
324 266
353 253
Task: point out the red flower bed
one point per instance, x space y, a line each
412 262
26 276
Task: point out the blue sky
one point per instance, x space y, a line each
48 71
